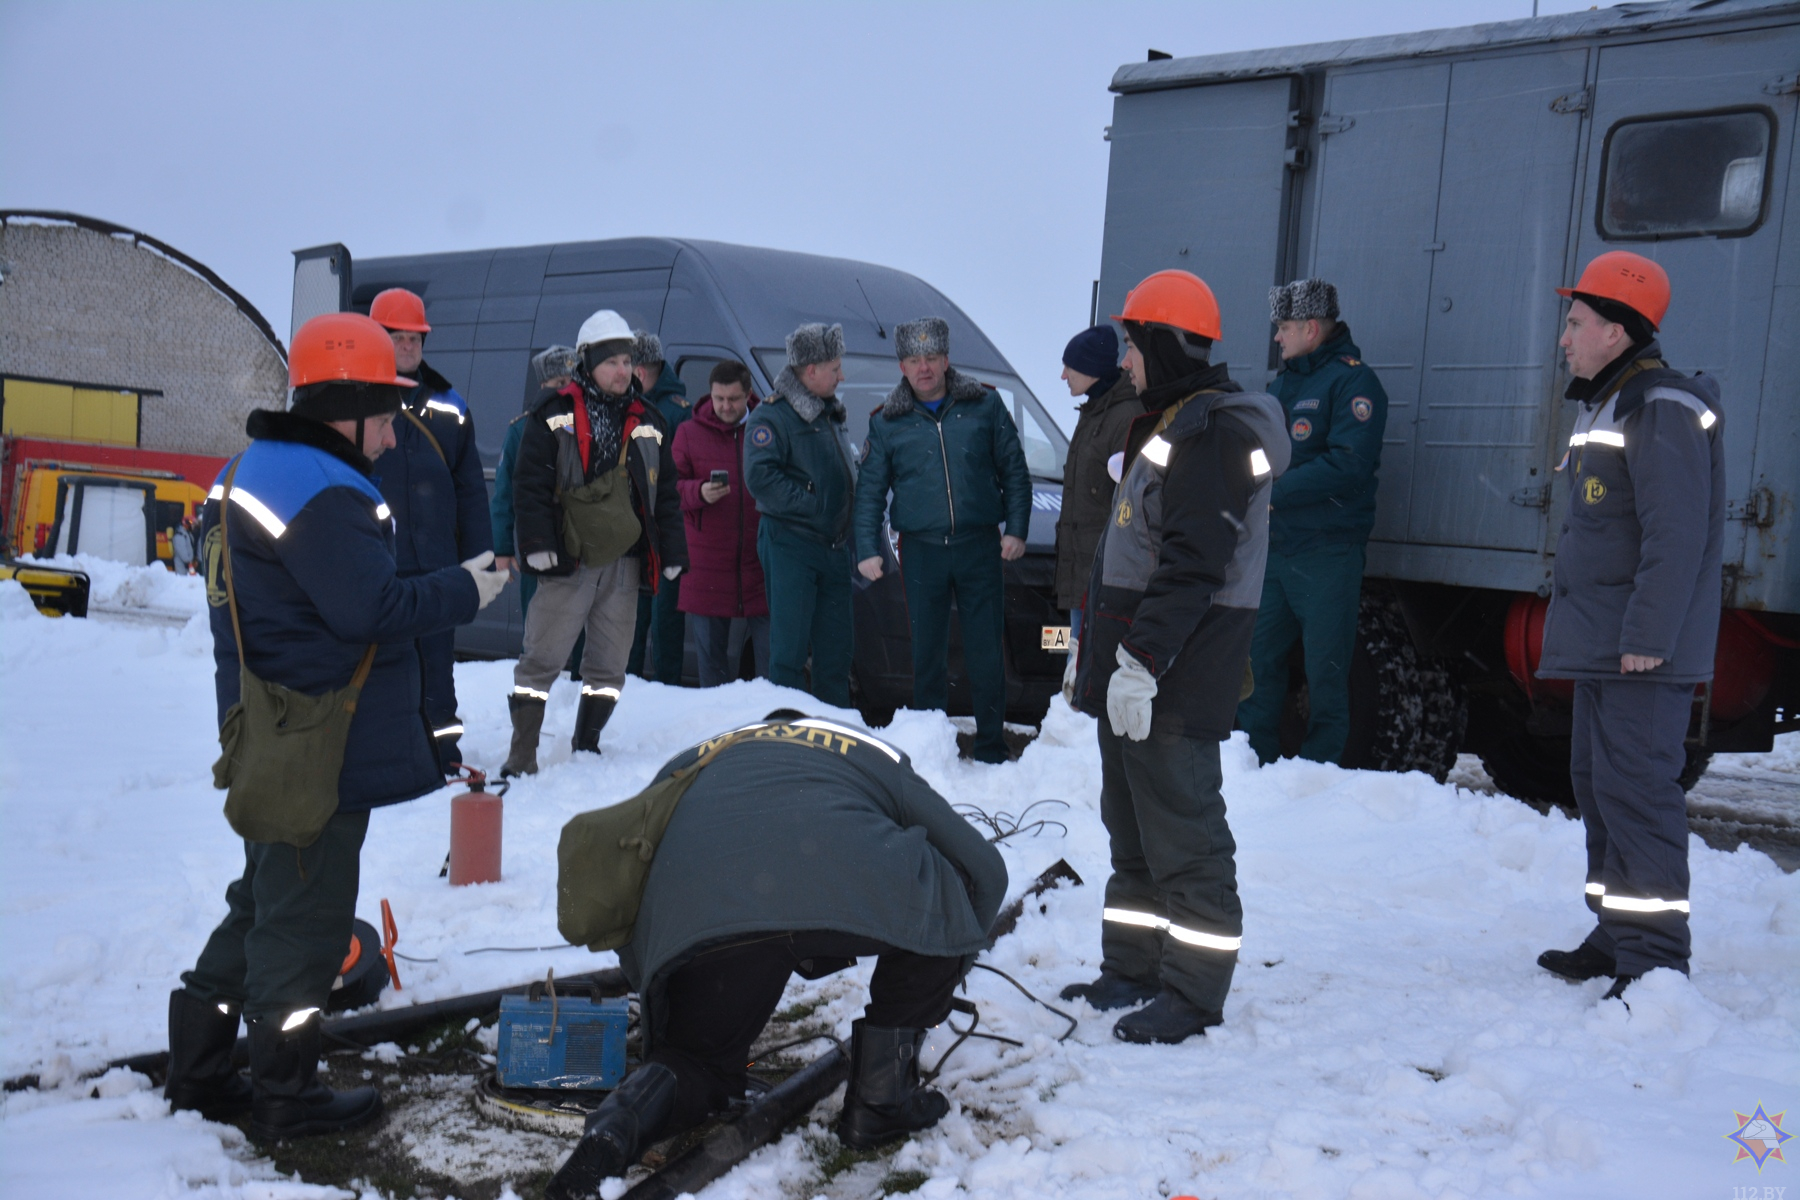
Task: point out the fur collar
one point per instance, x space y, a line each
806 405
901 400
275 425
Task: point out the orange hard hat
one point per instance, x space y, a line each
1628 279
400 309
343 346
1178 298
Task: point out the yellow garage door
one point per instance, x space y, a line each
67 413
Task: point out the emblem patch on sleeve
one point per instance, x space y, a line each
1302 429
761 436
1361 408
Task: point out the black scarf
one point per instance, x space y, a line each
606 424
1590 390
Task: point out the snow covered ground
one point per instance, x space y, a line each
1388 1034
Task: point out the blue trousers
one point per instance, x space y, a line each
1625 758
965 572
808 586
1313 597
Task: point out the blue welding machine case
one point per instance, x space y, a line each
561 1041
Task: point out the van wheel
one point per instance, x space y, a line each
1407 712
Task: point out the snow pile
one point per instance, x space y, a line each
1388 1034
153 591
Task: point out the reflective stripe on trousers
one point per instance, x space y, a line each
1182 934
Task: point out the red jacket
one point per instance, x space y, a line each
724 578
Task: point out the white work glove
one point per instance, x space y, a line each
1069 671
1128 698
543 560
670 573
488 583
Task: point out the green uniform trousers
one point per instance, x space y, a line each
967 572
287 925
665 625
1315 597
1172 914
808 586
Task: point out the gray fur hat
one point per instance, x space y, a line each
555 362
814 343
1303 300
646 348
927 335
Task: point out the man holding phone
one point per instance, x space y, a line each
724 583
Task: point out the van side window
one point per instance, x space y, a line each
1686 175
694 371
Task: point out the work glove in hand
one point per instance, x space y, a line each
488 583
1069 671
671 572
543 560
1128 698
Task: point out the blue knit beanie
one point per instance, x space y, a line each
1093 352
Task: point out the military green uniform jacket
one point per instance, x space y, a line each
957 472
811 825
1336 414
796 464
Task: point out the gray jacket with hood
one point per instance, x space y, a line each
1638 565
1178 577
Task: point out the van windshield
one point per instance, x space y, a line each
868 378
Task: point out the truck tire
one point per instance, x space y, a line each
1535 767
1407 712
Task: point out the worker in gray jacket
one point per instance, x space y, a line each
1634 614
800 846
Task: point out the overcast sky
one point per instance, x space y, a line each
961 142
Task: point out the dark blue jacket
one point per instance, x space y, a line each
1638 565
669 395
952 473
312 554
439 500
1336 413
796 465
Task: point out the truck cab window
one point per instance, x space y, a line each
1686 176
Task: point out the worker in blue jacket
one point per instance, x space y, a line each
314 582
1634 611
949 451
1323 510
434 485
661 625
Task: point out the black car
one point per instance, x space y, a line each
491 310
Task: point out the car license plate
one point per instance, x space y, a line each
1056 639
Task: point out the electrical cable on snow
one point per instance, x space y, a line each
1005 825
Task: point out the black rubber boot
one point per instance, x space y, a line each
1169 1019
1578 965
289 1100
201 1077
1111 991
883 1099
591 718
527 722
616 1133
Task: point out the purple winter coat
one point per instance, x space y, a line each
724 577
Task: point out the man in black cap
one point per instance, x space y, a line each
1091 369
947 447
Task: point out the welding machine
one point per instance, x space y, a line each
557 1040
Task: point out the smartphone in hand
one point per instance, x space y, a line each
720 477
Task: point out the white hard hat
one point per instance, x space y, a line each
604 326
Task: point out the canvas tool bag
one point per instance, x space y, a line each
280 751
604 858
598 526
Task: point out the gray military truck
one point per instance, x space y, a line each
1447 181
491 310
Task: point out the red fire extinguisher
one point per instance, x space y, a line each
475 820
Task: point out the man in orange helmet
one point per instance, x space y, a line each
1634 613
434 483
1171 605
310 580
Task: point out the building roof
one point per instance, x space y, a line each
1290 60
